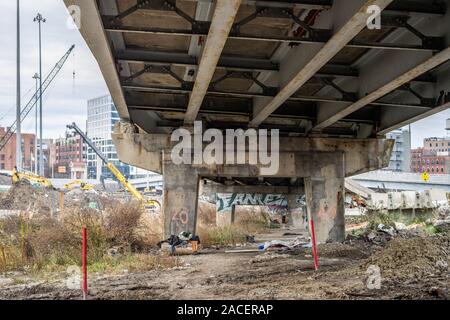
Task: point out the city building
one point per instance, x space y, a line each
49 152
433 157
437 145
102 116
401 154
8 153
70 157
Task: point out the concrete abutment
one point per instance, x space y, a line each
319 164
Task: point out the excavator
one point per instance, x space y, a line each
148 204
30 178
78 184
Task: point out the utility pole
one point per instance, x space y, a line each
36 77
39 19
18 100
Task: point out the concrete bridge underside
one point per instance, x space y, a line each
309 68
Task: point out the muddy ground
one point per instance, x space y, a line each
411 268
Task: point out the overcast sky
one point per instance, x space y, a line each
65 102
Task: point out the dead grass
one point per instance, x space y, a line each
43 243
249 221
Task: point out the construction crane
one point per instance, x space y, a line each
30 178
78 184
30 105
116 172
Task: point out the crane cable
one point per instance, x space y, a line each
73 73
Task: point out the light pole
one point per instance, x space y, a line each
36 77
39 19
18 101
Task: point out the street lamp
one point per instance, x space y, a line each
39 19
18 102
36 77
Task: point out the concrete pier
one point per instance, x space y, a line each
313 167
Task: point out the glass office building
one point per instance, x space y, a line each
102 116
401 154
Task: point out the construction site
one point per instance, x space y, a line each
266 128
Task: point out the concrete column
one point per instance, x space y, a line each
181 185
325 203
325 195
297 211
226 217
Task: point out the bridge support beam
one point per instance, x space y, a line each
321 163
180 199
325 203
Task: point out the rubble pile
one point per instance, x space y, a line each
45 201
413 258
5 180
27 198
85 199
442 223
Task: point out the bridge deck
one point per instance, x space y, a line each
306 67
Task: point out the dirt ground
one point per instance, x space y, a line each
411 268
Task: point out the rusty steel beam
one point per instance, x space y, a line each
222 22
279 39
422 68
350 30
238 94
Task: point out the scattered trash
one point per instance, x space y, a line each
442 225
390 231
250 239
278 244
400 226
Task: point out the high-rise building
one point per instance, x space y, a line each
401 154
8 153
102 116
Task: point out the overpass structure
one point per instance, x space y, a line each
311 68
388 180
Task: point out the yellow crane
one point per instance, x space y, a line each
151 204
78 183
30 178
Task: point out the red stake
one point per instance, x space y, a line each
84 264
313 238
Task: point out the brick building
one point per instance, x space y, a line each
70 155
433 157
8 154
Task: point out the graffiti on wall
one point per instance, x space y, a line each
275 202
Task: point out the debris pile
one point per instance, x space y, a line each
442 223
27 198
413 258
84 199
45 201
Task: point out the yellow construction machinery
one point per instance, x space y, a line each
148 204
30 178
78 184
